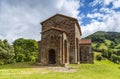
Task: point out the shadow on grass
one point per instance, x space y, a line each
21 65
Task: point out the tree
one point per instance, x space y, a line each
25 49
118 52
110 52
6 52
99 57
104 53
115 58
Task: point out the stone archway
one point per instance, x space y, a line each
52 56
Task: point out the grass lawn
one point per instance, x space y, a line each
99 70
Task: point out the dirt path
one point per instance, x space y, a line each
57 68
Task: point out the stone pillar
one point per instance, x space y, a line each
63 50
78 57
68 47
60 48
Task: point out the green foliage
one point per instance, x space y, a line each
110 52
25 50
20 57
105 37
105 53
99 57
108 43
6 52
115 58
118 52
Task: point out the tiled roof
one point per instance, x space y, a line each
85 41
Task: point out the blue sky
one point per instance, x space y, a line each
21 18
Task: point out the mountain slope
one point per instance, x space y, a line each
101 35
105 40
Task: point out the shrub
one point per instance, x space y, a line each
115 58
25 50
118 52
105 53
99 57
6 52
20 58
1 63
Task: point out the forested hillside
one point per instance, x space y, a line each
108 43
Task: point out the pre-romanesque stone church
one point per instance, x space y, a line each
61 42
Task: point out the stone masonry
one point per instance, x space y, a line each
59 43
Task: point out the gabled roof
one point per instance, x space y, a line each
85 42
66 17
58 15
54 28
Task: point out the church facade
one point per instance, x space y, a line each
61 42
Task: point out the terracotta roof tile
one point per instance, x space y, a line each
85 41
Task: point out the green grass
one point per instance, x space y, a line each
99 70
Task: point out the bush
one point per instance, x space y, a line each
25 50
110 52
115 58
99 57
20 58
118 52
6 52
105 53
1 63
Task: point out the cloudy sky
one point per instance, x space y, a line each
21 18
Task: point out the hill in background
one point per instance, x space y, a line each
107 43
105 40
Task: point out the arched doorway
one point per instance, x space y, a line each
52 56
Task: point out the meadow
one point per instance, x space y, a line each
27 70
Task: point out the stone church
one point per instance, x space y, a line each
61 42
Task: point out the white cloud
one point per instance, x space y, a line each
110 22
95 15
107 10
116 4
21 18
96 2
107 2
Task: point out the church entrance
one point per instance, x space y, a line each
52 56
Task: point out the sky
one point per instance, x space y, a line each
21 18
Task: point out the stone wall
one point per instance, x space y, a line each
86 55
67 24
55 40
